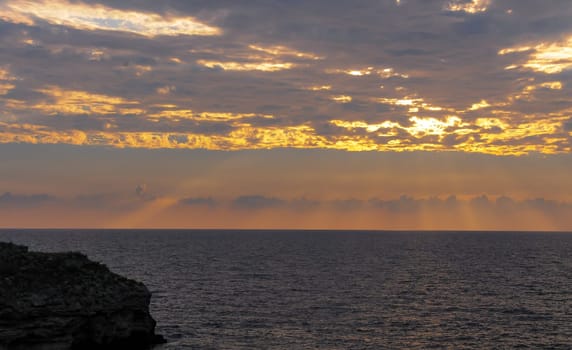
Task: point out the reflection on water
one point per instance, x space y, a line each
341 290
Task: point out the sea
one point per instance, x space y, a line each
261 289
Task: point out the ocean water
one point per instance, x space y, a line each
341 290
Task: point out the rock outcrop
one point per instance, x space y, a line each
52 301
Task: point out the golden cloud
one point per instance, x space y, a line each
165 90
384 73
284 51
264 66
497 136
474 6
180 114
413 103
548 58
320 88
83 16
342 99
82 102
5 81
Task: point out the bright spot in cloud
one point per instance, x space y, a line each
359 73
342 99
320 88
283 51
99 17
399 102
548 58
489 123
5 74
165 90
414 104
420 126
474 6
479 105
382 72
97 55
432 126
552 85
247 66
369 127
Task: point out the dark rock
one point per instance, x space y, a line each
52 301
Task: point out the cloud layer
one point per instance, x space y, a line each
258 211
474 76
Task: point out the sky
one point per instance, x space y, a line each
322 114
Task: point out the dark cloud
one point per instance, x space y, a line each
257 202
481 202
9 200
403 204
483 206
543 204
141 190
504 202
568 125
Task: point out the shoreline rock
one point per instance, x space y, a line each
53 301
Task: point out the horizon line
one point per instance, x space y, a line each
283 230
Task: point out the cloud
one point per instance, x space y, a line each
84 16
469 6
141 190
418 75
403 204
568 125
404 212
351 204
9 200
546 57
256 202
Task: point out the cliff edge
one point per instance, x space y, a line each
53 301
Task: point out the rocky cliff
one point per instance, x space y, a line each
52 301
